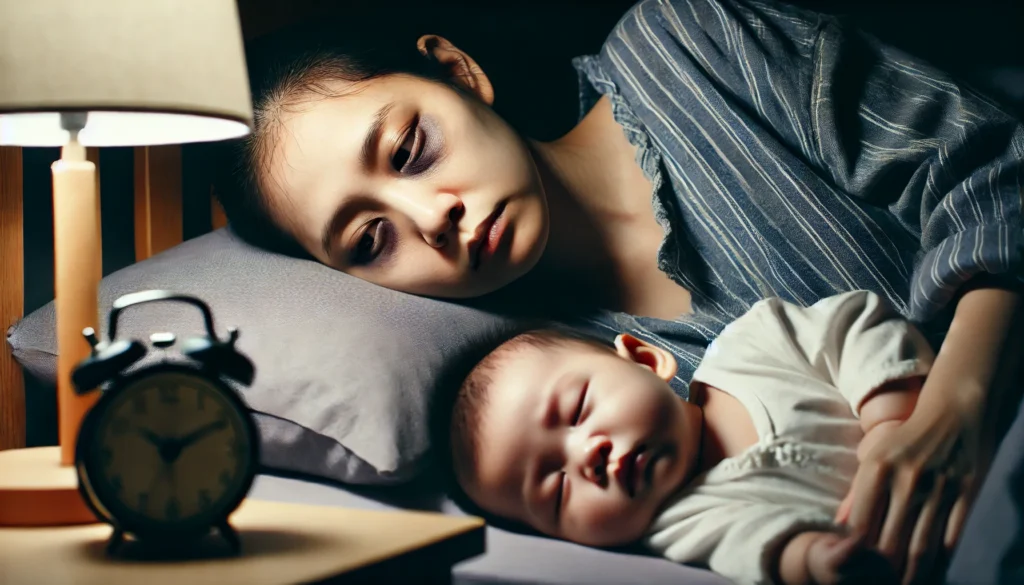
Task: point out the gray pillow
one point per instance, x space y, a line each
345 371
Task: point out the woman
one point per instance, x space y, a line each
785 156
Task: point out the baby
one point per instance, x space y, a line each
562 433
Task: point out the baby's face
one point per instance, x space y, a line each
411 185
582 443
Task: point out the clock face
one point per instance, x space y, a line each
170 450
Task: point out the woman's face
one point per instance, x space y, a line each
409 184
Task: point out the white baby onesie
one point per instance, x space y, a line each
801 373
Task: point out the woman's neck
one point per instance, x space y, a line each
603 240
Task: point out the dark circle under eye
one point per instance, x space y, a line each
370 243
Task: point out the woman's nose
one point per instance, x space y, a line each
437 218
594 459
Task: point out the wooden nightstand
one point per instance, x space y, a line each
281 543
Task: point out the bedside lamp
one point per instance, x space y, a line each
77 73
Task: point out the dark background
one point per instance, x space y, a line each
525 47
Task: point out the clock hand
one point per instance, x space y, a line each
169 470
168 447
153 438
171 447
200 433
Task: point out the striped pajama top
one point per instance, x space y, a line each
796 158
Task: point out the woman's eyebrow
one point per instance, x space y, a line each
342 214
367 158
368 154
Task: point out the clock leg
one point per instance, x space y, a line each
115 542
231 537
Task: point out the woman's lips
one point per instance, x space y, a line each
487 237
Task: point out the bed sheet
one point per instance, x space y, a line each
510 557
989 551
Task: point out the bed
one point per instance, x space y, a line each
157 221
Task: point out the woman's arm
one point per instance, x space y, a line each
880 125
970 358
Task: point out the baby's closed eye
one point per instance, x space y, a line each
560 495
579 413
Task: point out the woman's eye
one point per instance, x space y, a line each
371 243
578 415
409 151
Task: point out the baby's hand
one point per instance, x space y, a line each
834 559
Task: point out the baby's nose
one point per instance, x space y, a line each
595 459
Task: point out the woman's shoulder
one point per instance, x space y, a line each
700 25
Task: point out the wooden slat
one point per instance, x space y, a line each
12 296
158 215
217 217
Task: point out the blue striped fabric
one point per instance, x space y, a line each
793 157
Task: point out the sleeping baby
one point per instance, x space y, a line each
586 442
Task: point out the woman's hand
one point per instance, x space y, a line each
912 491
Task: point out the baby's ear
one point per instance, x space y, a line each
659 361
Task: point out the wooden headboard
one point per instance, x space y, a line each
12 292
158 227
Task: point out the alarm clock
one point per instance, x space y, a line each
169 450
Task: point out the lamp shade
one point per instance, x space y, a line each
146 72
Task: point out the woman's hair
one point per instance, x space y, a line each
287 70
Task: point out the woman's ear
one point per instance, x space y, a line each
659 361
462 69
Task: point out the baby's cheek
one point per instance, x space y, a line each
612 523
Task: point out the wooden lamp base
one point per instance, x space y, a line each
36 490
